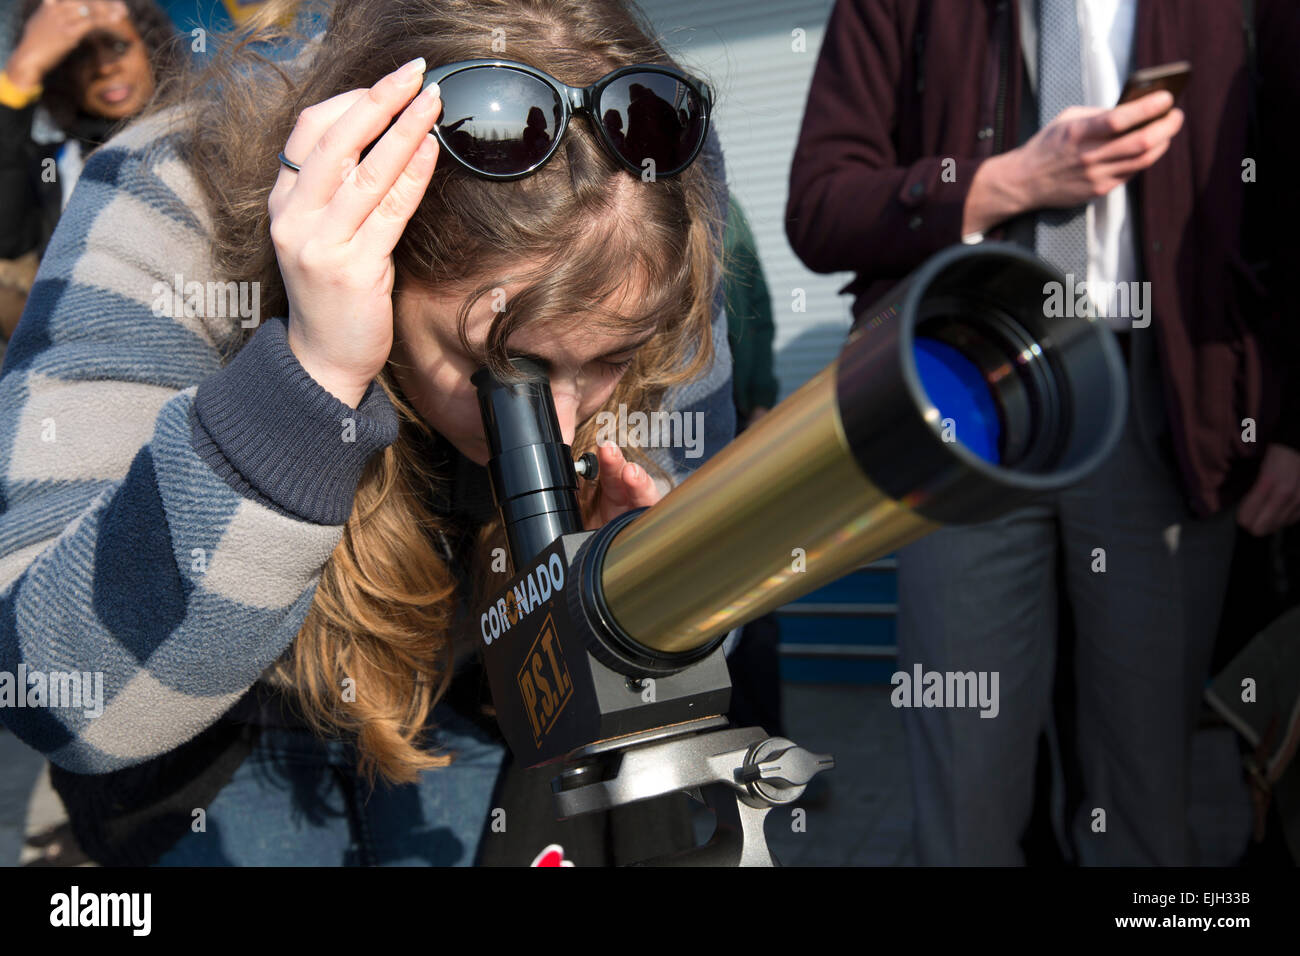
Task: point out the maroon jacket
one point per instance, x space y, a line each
866 192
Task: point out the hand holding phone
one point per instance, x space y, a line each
1084 152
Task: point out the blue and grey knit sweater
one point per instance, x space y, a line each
165 517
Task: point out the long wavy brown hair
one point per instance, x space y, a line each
384 607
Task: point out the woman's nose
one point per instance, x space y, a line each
104 63
106 56
566 410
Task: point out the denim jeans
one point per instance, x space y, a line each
297 800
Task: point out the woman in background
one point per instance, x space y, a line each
78 71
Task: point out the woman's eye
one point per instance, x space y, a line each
617 368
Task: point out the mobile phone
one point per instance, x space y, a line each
1167 76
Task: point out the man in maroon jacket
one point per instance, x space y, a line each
932 122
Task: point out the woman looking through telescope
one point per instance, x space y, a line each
266 523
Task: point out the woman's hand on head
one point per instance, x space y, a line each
335 223
55 30
620 486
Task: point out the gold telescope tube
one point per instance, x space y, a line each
860 461
795 512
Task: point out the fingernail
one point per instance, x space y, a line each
428 96
414 68
634 472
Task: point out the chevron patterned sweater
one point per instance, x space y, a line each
165 514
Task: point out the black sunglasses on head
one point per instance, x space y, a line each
504 120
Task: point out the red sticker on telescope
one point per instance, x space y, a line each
553 855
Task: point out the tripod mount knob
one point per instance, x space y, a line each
777 770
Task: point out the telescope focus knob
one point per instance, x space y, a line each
777 770
587 466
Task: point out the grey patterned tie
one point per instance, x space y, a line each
1060 235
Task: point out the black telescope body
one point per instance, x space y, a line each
961 395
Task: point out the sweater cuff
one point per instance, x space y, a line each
283 437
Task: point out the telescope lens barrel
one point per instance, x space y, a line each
959 397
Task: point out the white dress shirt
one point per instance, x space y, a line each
1106 29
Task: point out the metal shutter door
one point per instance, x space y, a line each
745 49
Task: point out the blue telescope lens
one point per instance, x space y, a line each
958 389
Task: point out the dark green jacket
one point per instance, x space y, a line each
749 316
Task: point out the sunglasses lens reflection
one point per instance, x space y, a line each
652 116
498 121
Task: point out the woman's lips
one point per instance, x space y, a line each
115 94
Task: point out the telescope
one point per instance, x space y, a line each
958 397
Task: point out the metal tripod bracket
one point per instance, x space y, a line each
739 773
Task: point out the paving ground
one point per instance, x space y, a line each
862 817
866 816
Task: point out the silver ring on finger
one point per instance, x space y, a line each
84 10
286 161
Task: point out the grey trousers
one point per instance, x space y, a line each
984 598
